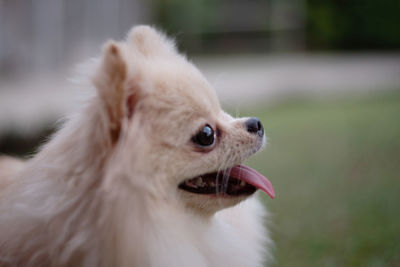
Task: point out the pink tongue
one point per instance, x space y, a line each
254 178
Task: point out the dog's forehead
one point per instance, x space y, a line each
183 83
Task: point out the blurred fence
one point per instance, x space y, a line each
50 34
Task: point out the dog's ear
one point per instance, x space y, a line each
118 98
149 41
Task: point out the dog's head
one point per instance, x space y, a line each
170 136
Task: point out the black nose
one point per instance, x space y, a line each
254 126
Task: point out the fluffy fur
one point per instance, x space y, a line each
103 191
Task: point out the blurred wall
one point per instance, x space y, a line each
38 35
47 34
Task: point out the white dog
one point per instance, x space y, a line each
147 174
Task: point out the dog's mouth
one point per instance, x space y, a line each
239 180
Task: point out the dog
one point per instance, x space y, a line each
147 173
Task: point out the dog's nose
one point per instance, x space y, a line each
254 126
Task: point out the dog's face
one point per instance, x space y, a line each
170 125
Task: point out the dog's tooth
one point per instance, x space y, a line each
242 183
198 181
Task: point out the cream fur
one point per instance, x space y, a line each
103 191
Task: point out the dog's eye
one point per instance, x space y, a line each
205 137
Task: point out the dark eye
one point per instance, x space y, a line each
205 137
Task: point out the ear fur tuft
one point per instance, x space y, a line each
149 41
110 83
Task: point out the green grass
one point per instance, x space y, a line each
335 166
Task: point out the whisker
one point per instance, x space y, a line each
226 176
222 167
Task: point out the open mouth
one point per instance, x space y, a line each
240 180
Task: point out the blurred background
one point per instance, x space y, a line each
323 76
